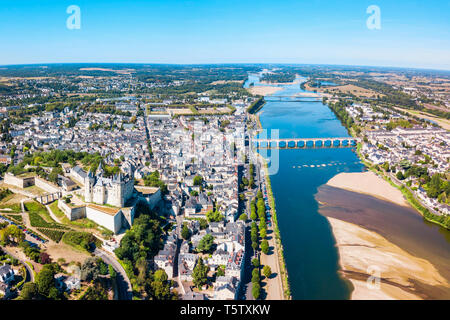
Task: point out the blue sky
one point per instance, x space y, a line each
413 33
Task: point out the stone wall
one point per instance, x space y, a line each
72 213
20 182
112 222
46 185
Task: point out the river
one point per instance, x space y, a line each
309 245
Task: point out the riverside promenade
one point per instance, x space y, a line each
274 286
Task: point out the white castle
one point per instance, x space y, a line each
114 191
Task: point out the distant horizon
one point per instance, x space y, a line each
221 64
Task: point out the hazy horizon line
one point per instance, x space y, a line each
223 63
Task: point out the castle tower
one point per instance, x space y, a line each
100 170
89 182
117 191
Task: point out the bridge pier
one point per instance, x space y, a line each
304 143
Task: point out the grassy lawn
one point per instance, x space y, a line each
16 217
81 223
39 216
39 209
55 235
35 190
31 267
80 240
56 211
15 208
444 123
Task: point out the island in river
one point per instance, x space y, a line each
378 234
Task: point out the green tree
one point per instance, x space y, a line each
262 224
205 243
29 291
161 290
253 215
92 268
198 180
112 272
400 175
243 217
185 232
267 271
153 180
263 233
12 233
265 246
54 294
45 280
214 216
256 290
161 286
220 271
255 275
254 235
434 186
200 273
259 194
160 275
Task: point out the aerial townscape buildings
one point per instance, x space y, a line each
159 180
199 160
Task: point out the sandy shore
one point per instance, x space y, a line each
307 95
264 90
296 81
402 275
368 183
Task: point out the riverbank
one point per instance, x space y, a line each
411 199
276 239
402 275
264 90
370 236
281 279
368 183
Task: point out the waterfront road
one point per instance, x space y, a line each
123 283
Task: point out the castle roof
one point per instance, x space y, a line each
100 170
104 209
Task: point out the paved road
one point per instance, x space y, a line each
123 283
30 273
